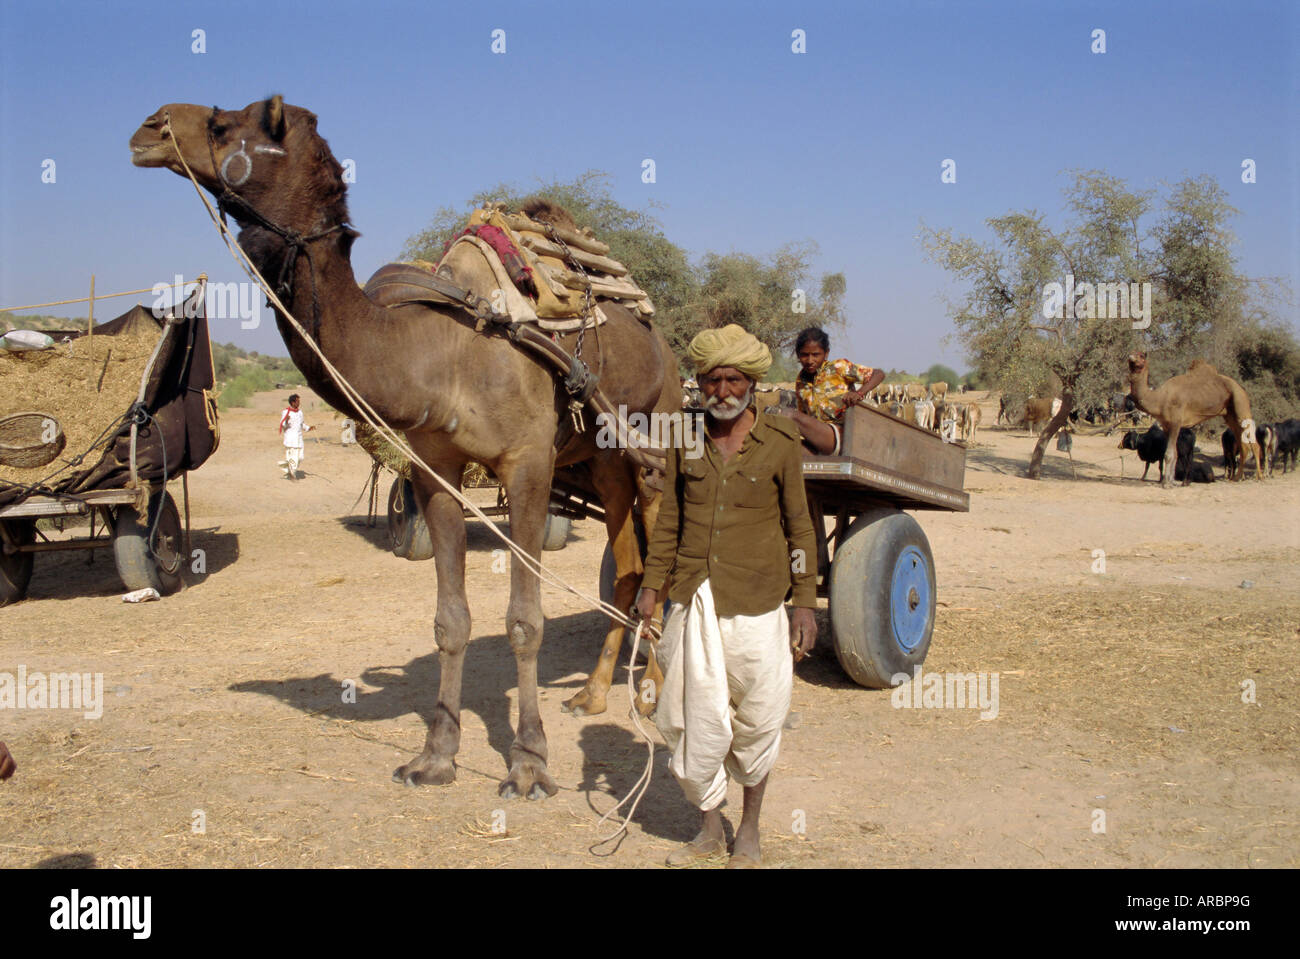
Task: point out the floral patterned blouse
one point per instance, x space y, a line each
823 395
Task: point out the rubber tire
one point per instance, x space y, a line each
408 533
555 534
871 641
16 568
136 564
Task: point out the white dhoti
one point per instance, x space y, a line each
725 696
293 456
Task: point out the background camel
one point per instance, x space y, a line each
1194 397
1024 416
458 394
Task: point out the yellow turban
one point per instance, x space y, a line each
730 346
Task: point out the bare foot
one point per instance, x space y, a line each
746 847
700 848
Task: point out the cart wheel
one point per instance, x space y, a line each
555 535
140 563
882 598
16 568
408 533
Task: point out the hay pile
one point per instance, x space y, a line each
386 455
86 385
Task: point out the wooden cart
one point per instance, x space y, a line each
170 430
874 563
142 527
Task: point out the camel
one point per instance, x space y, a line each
1035 410
970 420
1191 398
457 394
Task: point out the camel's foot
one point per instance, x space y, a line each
426 770
587 702
528 777
646 704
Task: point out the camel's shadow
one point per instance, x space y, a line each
570 647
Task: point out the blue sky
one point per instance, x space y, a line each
754 145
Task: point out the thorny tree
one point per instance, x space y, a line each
1024 346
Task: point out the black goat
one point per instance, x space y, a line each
1151 446
1286 443
1200 473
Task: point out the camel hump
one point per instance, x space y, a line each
544 211
1202 366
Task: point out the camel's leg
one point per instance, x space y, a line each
436 765
527 481
1168 464
612 477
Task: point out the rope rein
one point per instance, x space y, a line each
376 422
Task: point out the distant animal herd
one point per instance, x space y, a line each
930 407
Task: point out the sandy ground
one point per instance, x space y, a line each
1147 715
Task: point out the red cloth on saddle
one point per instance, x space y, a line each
521 274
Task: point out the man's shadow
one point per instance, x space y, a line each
613 760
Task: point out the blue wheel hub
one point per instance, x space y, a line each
909 599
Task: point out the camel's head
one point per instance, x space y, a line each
1137 363
268 154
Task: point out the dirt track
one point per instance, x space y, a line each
1120 692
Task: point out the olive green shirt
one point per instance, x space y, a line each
742 524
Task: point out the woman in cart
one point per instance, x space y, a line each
826 388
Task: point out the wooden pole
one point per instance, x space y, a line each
90 319
82 299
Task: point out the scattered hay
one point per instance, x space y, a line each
382 451
1127 664
493 832
86 385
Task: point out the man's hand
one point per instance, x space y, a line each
803 632
853 398
646 602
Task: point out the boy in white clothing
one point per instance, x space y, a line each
292 426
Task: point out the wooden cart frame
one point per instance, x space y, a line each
874 563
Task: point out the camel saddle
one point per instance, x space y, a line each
399 283
540 273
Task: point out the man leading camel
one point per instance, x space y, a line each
734 532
